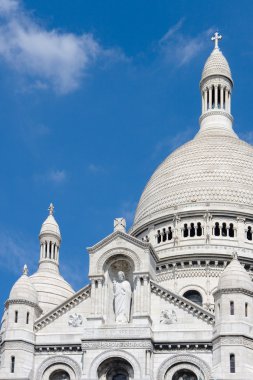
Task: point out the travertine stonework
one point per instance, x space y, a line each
172 298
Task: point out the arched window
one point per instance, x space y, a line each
27 317
192 230
12 364
16 316
224 231
184 374
170 234
217 229
159 237
50 249
194 296
59 375
232 308
249 233
231 231
185 231
164 235
232 363
199 229
246 309
213 97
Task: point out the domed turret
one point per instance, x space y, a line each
23 289
50 226
235 277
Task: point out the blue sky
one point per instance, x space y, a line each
94 95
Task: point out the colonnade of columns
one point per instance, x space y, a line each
216 97
49 250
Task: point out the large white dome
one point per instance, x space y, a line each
214 167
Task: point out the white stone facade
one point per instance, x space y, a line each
183 307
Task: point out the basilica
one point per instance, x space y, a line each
171 298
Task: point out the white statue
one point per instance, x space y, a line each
122 298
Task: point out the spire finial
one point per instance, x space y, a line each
216 39
51 209
25 270
235 255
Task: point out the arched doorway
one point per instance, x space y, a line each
184 374
115 369
59 375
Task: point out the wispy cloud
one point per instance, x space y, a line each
50 58
171 143
17 250
127 211
247 136
94 168
54 176
181 48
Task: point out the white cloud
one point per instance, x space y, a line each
7 6
54 176
15 251
57 176
180 48
94 168
50 58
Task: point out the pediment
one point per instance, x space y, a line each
63 308
173 299
119 235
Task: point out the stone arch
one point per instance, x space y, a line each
198 288
114 354
184 360
124 252
59 362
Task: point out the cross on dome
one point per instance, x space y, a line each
51 209
216 39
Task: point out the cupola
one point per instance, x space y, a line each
50 240
216 88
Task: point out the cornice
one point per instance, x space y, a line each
58 311
233 290
185 304
23 302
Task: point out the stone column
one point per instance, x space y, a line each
215 96
226 100
210 98
222 97
205 95
241 229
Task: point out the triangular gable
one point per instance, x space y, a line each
183 303
63 308
119 234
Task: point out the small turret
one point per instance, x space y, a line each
21 310
233 322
